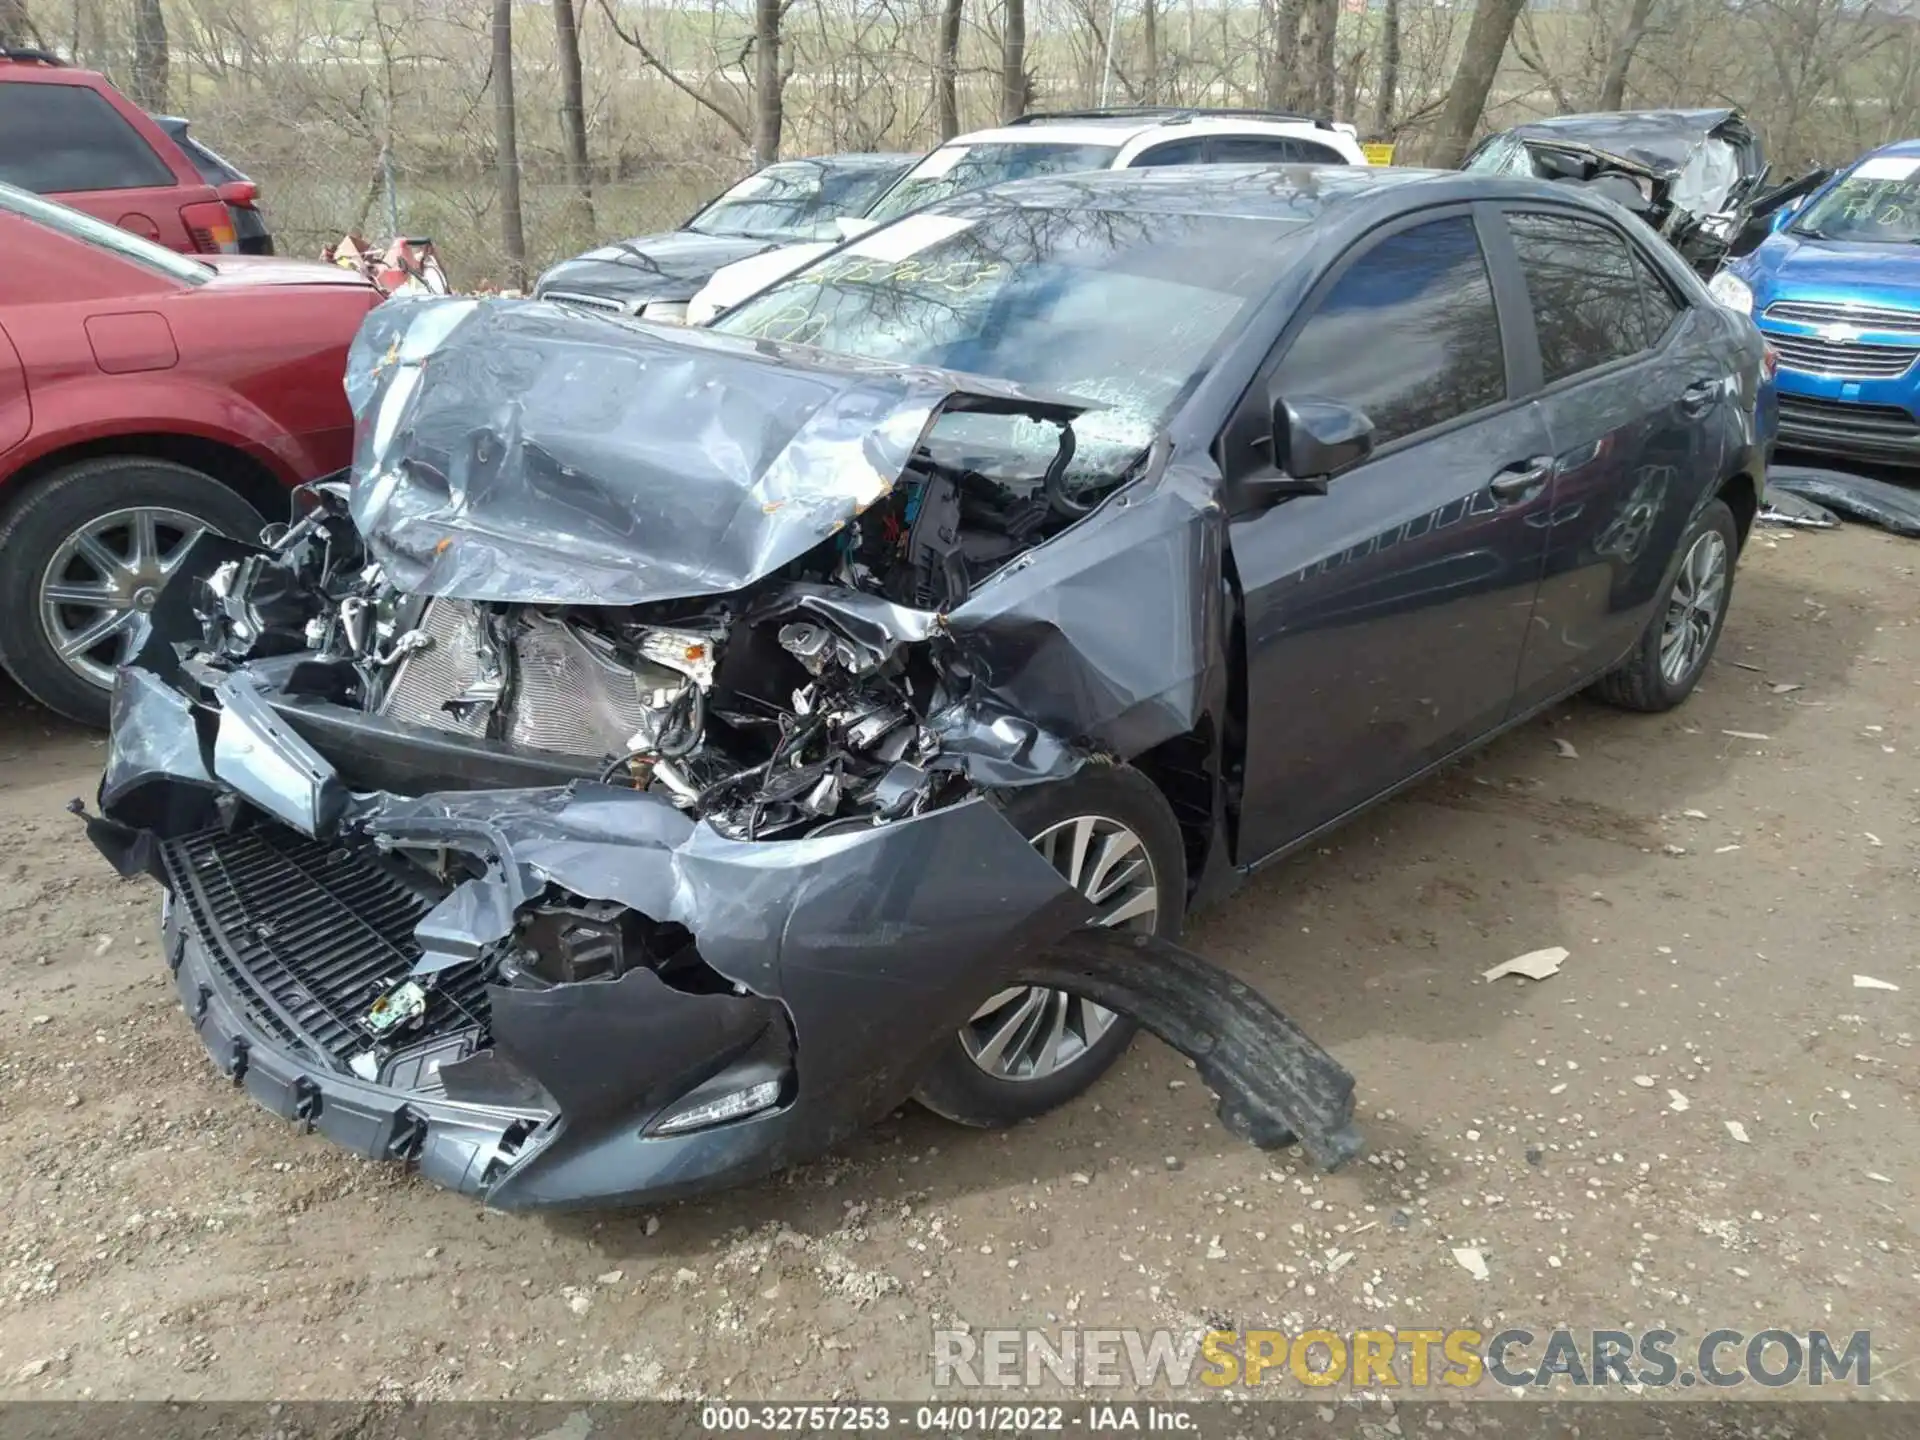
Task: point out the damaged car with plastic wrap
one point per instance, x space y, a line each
1698 177
669 750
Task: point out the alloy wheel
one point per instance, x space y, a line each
1693 609
103 578
1028 1032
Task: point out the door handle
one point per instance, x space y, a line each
1517 482
1698 397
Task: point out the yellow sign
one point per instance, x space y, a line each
1378 153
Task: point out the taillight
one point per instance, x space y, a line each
211 227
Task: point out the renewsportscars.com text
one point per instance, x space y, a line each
1407 1358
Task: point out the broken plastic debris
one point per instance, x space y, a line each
1645 1082
1738 1132
1746 734
1725 849
1694 814
1876 1175
1535 964
1473 1262
1872 839
1867 982
1785 688
1565 747
1676 1101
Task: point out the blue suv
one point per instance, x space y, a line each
1836 291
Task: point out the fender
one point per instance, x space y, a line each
91 407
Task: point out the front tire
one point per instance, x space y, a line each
1672 652
1026 1050
82 557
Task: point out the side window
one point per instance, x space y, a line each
60 138
1656 299
1174 152
1408 334
1272 150
1584 291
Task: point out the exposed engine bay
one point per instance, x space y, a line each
770 713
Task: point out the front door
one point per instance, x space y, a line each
1384 620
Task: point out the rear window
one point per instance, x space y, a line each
208 163
101 235
57 139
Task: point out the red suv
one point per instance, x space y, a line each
145 396
69 134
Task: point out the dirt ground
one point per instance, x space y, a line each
1719 892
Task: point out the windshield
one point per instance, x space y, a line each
793 201
1122 309
955 169
1502 155
103 236
1879 201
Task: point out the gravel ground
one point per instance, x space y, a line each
1718 893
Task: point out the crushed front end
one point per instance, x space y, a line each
586 817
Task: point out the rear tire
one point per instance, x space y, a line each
104 535
973 1082
1671 654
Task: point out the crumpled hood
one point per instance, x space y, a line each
654 267
1808 268
517 451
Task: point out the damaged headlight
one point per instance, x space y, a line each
1731 291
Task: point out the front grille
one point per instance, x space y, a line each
591 302
1842 419
309 935
1811 355
1865 317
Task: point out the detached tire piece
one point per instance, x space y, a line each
82 553
1672 652
1112 835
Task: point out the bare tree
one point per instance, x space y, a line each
1613 84
946 69
769 81
149 55
573 105
1486 42
1315 92
1013 60
672 76
1389 83
506 146
1150 41
1281 83
16 25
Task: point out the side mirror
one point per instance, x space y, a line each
852 227
1313 441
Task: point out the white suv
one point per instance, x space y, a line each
1056 144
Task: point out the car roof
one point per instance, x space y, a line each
852 160
1278 192
1083 128
1898 147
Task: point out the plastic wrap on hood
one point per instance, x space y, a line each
513 450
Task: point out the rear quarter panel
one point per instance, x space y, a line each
259 366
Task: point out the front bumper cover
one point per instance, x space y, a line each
862 951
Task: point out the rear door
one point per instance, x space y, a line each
1631 385
1384 620
68 141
